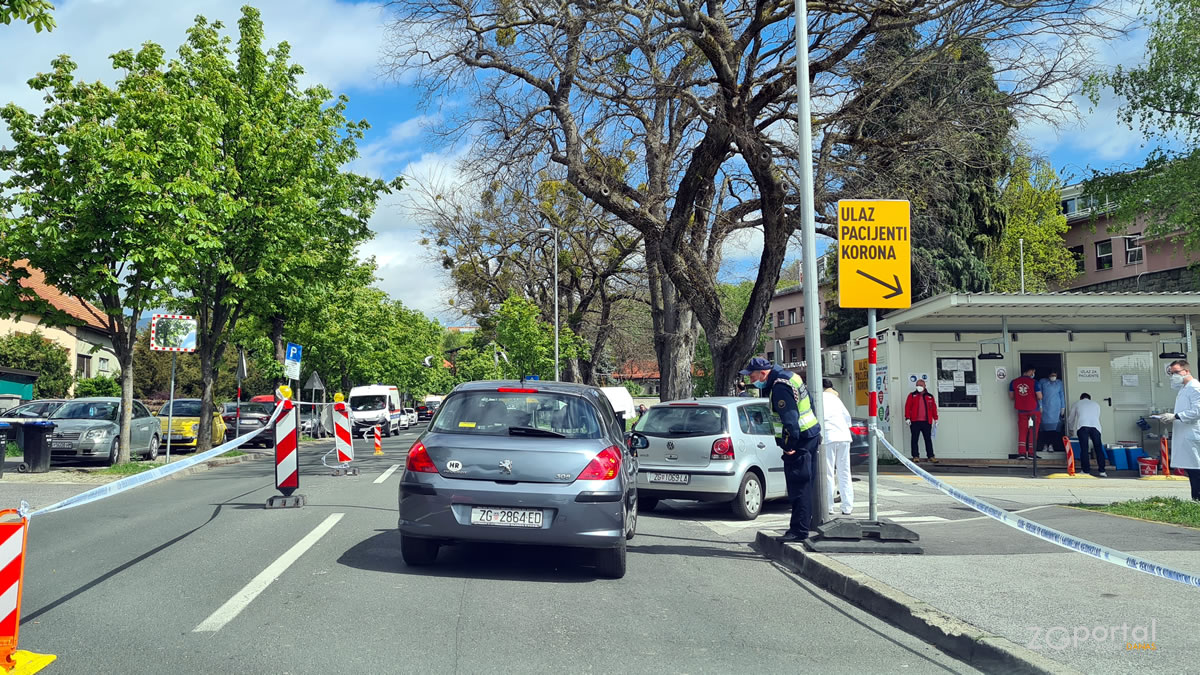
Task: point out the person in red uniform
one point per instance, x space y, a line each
920 414
1025 396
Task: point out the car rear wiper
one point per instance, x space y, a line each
532 431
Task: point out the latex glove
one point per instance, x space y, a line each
908 422
1167 417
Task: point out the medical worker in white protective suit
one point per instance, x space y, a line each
836 458
1185 432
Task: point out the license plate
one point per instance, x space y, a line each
177 438
677 478
61 444
483 515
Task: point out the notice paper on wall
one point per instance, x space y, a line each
972 390
960 378
1128 380
945 385
966 365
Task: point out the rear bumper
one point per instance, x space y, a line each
703 485
441 509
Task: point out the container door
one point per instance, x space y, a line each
1091 373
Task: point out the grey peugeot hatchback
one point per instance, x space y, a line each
524 463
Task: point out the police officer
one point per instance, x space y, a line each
801 437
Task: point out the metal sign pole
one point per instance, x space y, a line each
171 406
872 418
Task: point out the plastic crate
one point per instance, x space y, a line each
1117 456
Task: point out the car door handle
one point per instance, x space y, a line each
762 445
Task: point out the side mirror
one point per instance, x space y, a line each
636 441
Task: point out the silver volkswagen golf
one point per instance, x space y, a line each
524 463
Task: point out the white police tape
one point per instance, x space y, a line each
1049 534
117 487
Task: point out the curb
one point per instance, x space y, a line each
217 462
968 643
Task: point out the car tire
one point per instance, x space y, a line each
749 500
631 524
114 451
152 453
610 562
646 503
417 551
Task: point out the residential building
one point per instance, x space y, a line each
1112 257
786 318
89 345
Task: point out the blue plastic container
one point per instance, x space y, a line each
1118 457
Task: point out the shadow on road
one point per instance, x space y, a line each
504 562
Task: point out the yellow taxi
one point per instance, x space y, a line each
184 414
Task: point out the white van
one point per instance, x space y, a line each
621 401
376 405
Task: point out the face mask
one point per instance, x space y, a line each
762 384
920 389
1053 378
1177 381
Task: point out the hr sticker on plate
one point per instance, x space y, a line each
454 465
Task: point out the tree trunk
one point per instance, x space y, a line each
125 362
207 381
277 322
675 331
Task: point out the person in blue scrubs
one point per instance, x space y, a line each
1054 411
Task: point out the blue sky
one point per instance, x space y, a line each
339 44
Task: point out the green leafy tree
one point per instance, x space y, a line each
1031 202
529 341
99 187
276 197
1162 99
33 12
32 351
97 386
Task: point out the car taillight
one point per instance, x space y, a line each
604 466
418 459
517 390
722 448
858 431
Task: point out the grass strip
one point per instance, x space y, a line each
128 468
1160 509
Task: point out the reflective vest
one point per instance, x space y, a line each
808 419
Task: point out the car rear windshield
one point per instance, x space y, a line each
253 409
682 421
87 410
181 409
503 413
361 403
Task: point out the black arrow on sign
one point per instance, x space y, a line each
895 290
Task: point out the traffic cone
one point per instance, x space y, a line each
1166 460
1070 456
12 572
378 441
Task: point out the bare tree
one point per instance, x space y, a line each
677 117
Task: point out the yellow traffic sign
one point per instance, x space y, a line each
874 254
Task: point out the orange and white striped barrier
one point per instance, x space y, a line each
1165 456
287 454
1070 456
13 535
343 441
378 441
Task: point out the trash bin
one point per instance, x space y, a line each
1148 466
36 447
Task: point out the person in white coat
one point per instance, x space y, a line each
1185 430
836 458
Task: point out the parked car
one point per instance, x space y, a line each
88 428
254 417
40 409
859 446
184 416
514 463
424 413
411 415
717 449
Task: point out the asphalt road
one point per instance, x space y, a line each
193 575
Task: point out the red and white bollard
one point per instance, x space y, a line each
378 441
13 537
287 456
343 440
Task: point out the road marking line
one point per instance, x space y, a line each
234 606
384 476
918 519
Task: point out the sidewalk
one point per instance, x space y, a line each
1045 608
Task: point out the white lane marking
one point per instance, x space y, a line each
386 474
918 519
234 606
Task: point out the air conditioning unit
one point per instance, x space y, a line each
832 363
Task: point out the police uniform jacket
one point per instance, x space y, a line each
790 401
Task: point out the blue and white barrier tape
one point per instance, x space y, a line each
1049 534
119 486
